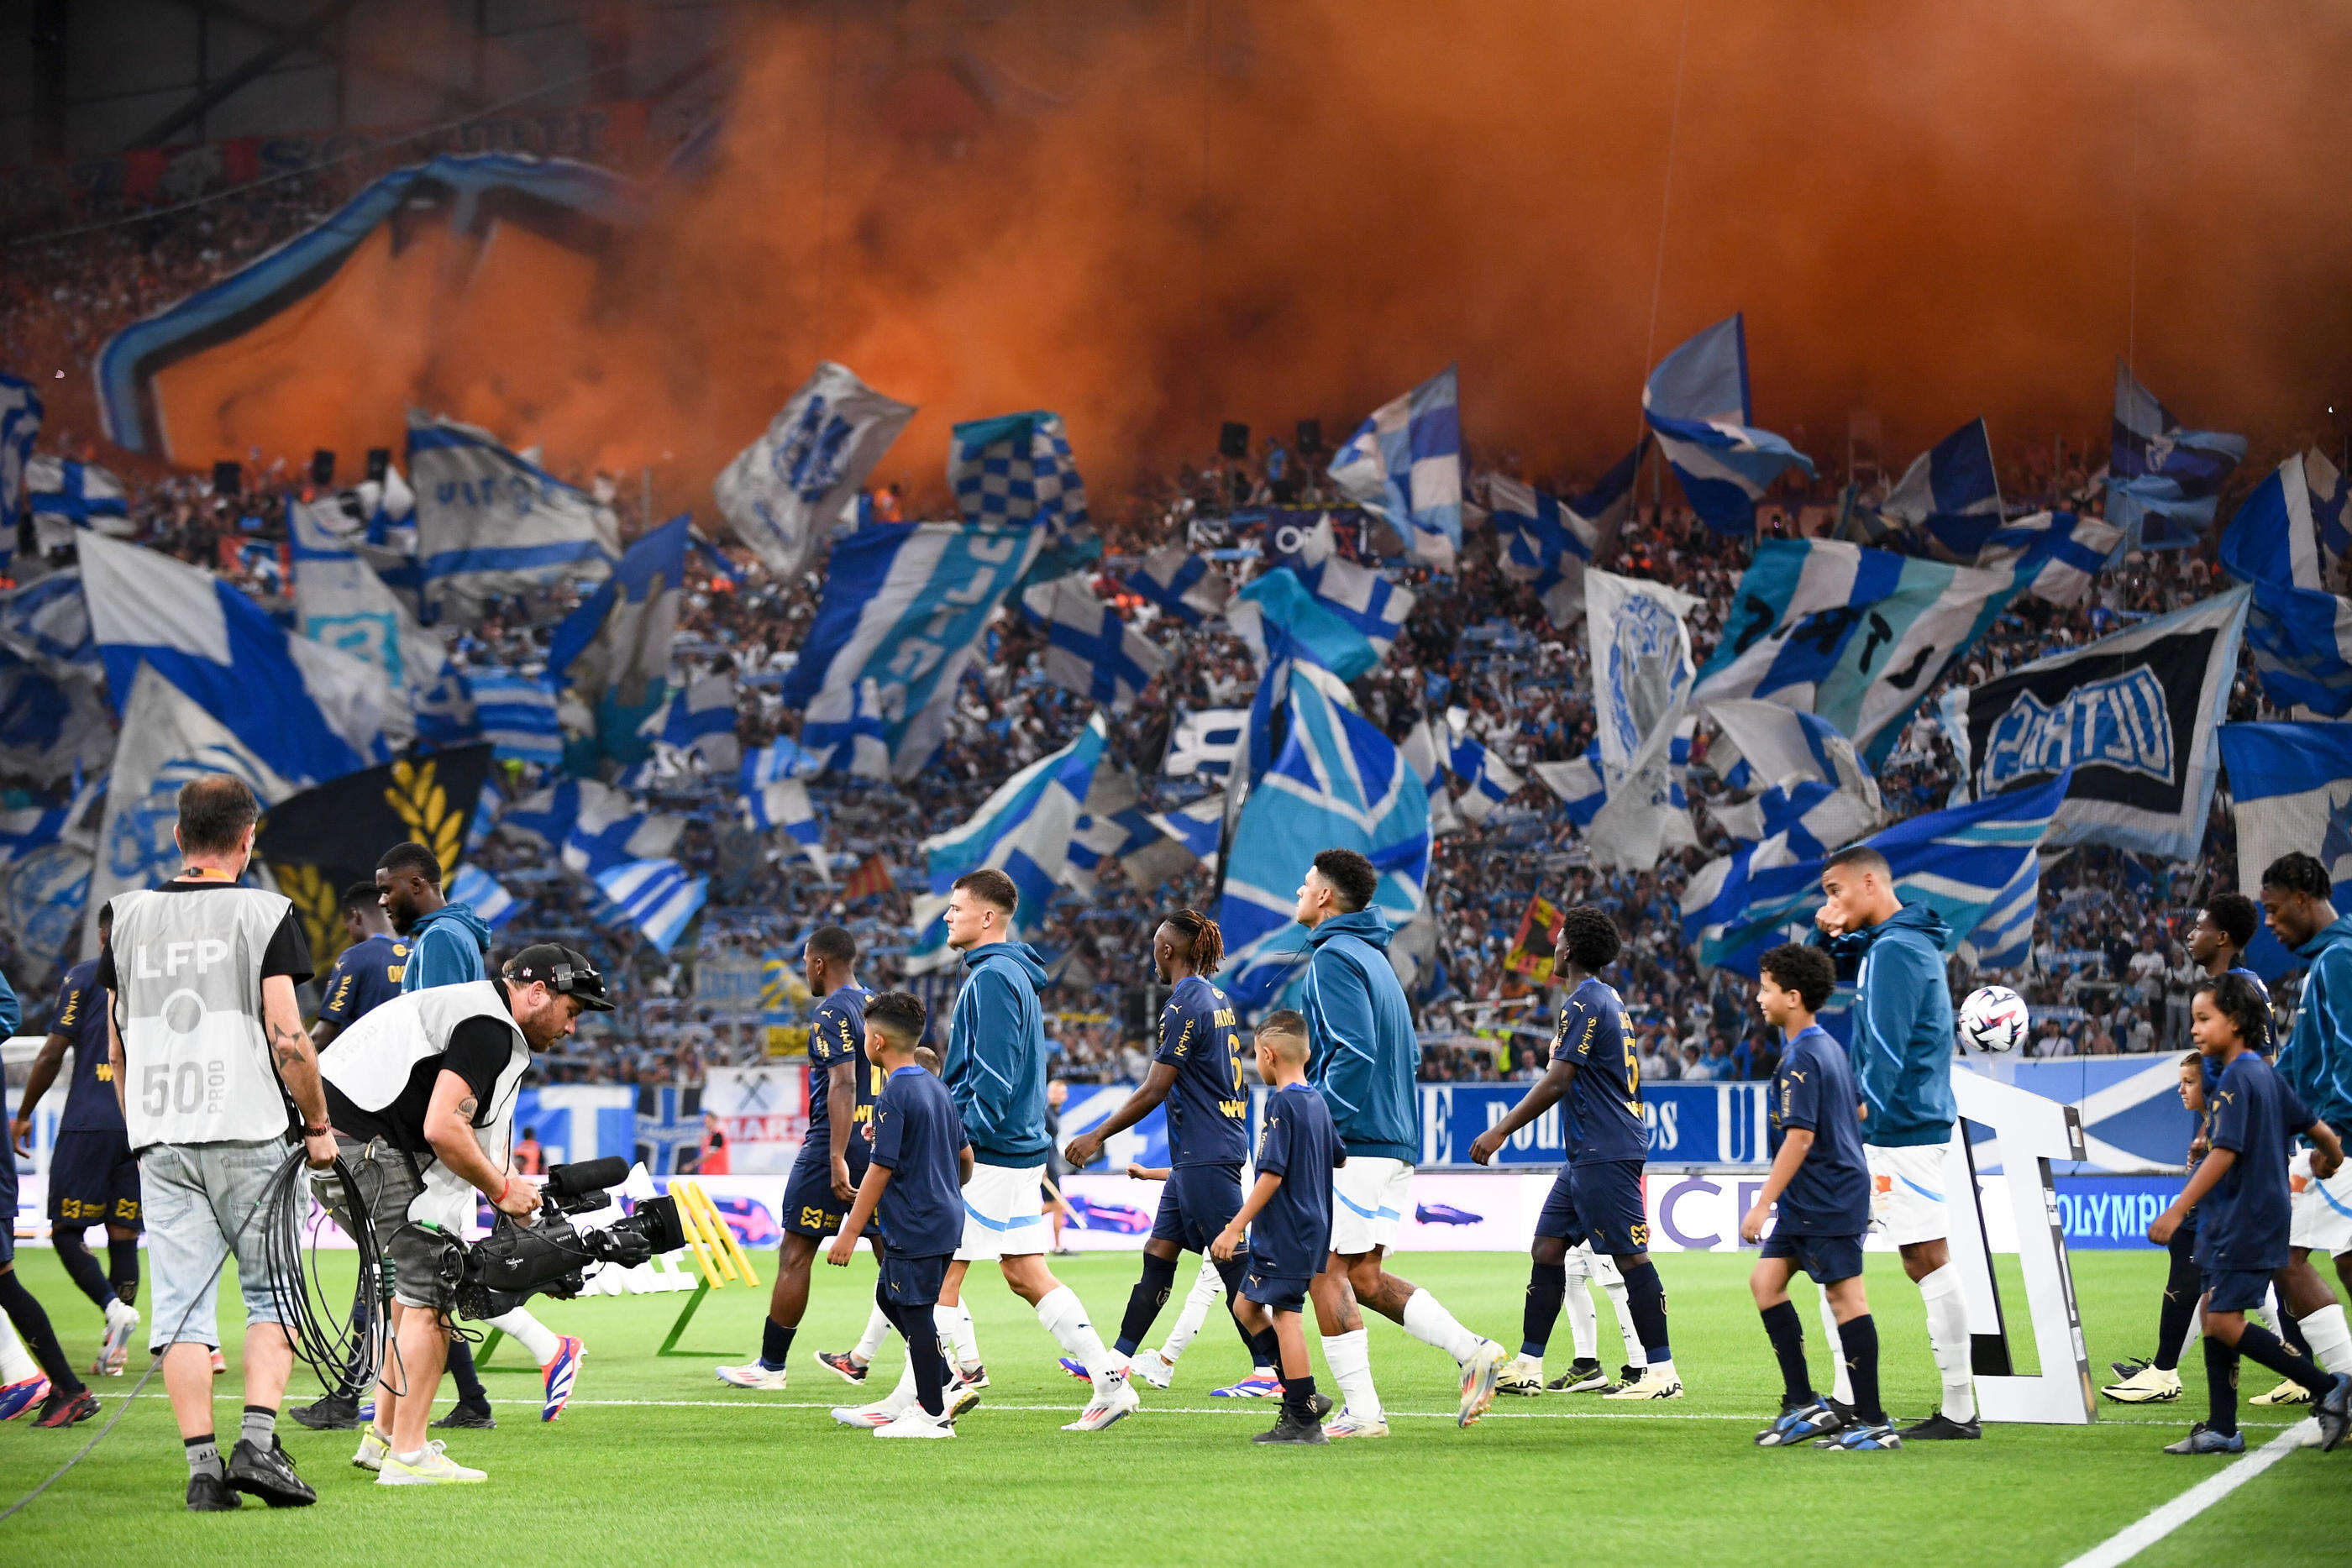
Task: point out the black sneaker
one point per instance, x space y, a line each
1938 1426
335 1413
268 1474
63 1409
466 1415
209 1493
1288 1429
1322 1402
1584 1376
2127 1370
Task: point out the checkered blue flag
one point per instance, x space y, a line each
1016 469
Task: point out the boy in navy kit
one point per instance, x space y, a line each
1821 1179
2243 1200
1288 1217
915 1177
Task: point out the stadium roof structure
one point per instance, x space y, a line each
324 340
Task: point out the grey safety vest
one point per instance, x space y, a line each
187 998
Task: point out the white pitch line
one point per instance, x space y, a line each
2139 1536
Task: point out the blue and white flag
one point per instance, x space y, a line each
51 725
490 522
1015 470
1089 647
791 485
618 640
1204 741
701 719
1951 491
2291 785
1367 602
2054 554
1976 865
781 758
517 714
905 605
1182 584
1196 828
612 829
784 807
1546 542
306 711
1642 672
1298 616
1815 818
544 819
1404 464
2130 719
32 827
844 731
2281 533
47 625
2163 481
1113 825
1022 830
1858 636
340 602
20 421
1579 783
1486 782
1764 743
1338 783
1697 405
2298 633
64 496
656 896
483 893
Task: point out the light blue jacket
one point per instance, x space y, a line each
996 1067
1902 1045
446 948
2317 1060
1364 1052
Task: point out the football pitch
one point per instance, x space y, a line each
656 1462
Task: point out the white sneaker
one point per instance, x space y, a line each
1653 1384
1115 1399
878 1415
1522 1375
752 1377
1478 1375
436 1468
2149 1386
1348 1424
2287 1392
2307 1434
915 1423
1153 1368
121 1320
372 1449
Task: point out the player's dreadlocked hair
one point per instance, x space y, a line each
1205 945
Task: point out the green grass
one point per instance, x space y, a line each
656 1462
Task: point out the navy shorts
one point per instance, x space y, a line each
1196 1204
2236 1289
910 1282
809 1206
93 1181
1825 1258
1559 1219
1608 1197
1280 1292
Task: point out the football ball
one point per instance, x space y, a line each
1993 1019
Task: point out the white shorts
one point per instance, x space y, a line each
1003 1212
1368 1199
1906 1193
2320 1214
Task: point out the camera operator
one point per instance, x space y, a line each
421 1092
205 1041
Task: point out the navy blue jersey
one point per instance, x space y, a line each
1291 1235
916 1136
1208 1109
1813 1092
90 1105
1603 1117
2242 1222
366 977
837 1034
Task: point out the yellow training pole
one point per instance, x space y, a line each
689 1223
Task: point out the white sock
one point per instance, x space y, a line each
17 1362
1947 1336
877 1329
119 1310
1605 1269
1583 1314
1843 1391
2269 1311
1350 1356
530 1333
1431 1323
902 1398
1064 1317
955 1327
2330 1339
1208 1289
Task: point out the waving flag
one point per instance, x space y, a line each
843 729
1204 741
1089 647
1486 782
1113 825
1182 584
1337 782
2164 481
1404 464
490 522
1859 636
2292 787
20 421
779 759
1950 491
341 603
656 896
1697 406
2299 634
905 604
701 719
306 711
784 807
1975 865
1814 817
618 640
612 828
1764 743
517 714
544 819
1196 826
2054 554
1016 469
483 893
1280 598
65 496
47 623
1023 830
1640 660
796 479
1547 543
1579 783
50 725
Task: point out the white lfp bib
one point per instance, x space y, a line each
187 998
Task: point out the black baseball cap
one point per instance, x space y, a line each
562 971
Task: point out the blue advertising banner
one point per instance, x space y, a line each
1698 1124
